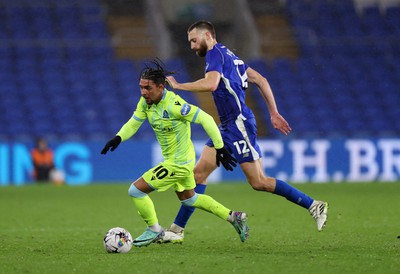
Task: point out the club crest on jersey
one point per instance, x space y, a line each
185 109
165 114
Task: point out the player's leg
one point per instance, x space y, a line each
207 203
138 191
242 140
257 179
206 165
202 170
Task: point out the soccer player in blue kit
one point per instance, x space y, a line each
227 77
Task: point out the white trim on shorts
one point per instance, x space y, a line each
240 125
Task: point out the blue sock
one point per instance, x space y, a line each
186 211
292 194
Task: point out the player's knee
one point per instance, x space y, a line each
135 192
200 176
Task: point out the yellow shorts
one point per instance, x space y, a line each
165 175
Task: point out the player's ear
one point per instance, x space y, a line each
208 35
161 86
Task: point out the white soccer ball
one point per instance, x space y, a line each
117 240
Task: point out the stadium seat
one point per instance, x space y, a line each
352 74
348 62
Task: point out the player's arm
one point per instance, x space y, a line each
134 123
210 127
223 156
194 114
128 129
207 84
266 92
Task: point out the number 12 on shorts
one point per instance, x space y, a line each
241 147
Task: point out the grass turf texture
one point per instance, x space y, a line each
49 229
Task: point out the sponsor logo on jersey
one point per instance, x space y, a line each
177 103
165 114
185 109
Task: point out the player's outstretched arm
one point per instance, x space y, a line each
265 90
207 84
126 132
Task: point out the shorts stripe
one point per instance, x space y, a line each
241 127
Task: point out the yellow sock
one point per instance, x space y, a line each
146 209
208 204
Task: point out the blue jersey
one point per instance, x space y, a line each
238 124
229 97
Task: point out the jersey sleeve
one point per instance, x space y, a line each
214 61
134 123
209 125
193 114
183 110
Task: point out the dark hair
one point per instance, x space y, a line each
40 140
203 25
155 71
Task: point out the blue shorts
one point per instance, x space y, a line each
240 138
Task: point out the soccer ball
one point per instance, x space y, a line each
117 240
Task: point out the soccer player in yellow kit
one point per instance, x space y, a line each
170 117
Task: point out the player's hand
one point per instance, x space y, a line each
280 123
112 144
171 81
224 157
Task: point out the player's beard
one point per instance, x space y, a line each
202 51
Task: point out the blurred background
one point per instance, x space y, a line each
69 69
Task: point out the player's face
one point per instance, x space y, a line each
197 40
150 91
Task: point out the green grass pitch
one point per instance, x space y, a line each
50 229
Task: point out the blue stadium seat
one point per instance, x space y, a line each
354 64
356 71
